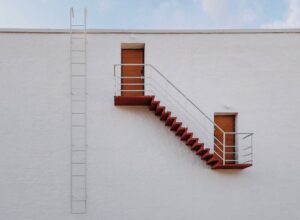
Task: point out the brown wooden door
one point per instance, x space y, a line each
227 123
132 56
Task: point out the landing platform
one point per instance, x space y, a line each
132 100
231 166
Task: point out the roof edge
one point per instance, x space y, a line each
153 31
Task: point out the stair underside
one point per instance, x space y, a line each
231 166
184 135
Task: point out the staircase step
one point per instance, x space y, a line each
196 146
186 136
180 131
165 115
191 141
152 98
170 121
207 156
154 105
159 110
213 161
175 126
202 151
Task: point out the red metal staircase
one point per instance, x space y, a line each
188 122
181 132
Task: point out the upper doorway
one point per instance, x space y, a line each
227 123
132 81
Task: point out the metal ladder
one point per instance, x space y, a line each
78 78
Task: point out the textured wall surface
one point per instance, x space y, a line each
137 169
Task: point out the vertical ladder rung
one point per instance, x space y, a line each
78 38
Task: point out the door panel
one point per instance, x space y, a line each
132 56
227 123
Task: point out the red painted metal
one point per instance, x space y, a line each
176 126
132 100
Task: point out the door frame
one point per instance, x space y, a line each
235 115
133 46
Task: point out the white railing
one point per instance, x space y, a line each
187 112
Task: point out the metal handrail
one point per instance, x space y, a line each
194 105
178 90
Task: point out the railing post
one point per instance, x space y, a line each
115 78
145 81
236 148
252 149
224 148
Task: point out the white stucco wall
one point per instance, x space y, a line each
137 168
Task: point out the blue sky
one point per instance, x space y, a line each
153 14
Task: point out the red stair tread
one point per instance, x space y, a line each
152 98
207 156
186 136
196 146
180 131
159 110
202 151
170 121
175 126
212 161
164 115
191 141
154 105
